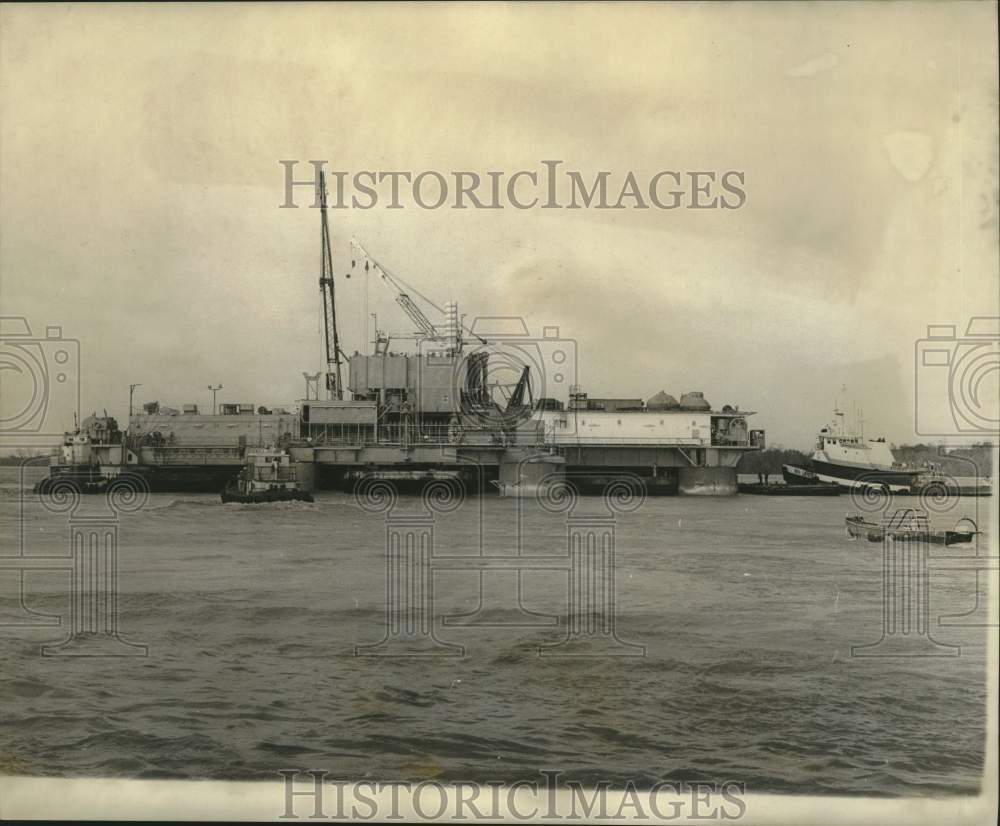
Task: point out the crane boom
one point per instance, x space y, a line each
414 312
334 386
523 384
451 334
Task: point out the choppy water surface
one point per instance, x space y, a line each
747 606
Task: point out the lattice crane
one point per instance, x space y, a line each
334 385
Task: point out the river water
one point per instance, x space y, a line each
747 609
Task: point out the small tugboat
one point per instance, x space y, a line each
268 476
907 523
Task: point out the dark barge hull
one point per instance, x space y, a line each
265 496
158 479
818 489
182 479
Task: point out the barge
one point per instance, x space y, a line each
487 403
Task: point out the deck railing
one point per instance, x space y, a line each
667 441
360 435
283 473
194 454
412 435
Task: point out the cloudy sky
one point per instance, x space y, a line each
140 190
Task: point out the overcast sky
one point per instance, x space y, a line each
140 186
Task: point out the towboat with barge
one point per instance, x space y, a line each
449 407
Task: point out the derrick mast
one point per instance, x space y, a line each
334 384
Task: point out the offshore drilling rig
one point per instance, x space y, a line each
487 404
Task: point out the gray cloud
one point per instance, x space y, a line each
139 187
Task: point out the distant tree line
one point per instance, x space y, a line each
24 455
974 460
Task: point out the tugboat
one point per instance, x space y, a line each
268 476
90 459
852 462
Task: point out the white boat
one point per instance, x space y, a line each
853 462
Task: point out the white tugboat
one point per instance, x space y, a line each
268 476
91 459
850 461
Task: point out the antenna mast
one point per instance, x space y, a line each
334 386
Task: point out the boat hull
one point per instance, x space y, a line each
266 496
859 528
157 479
798 476
817 489
861 477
